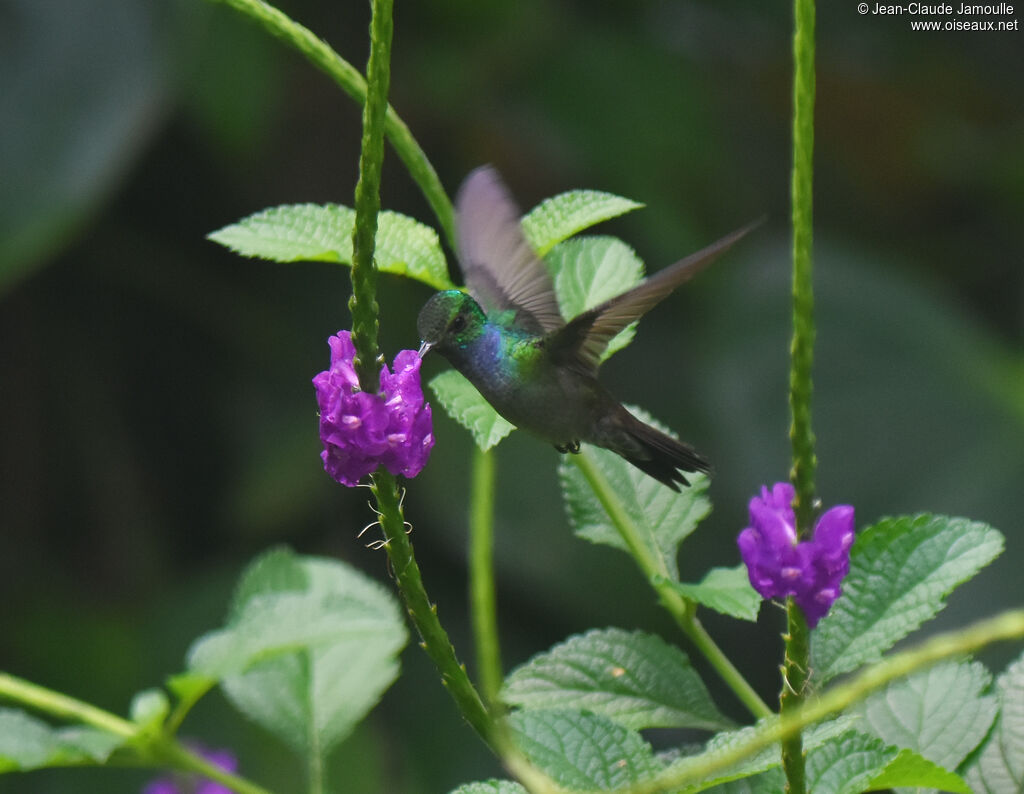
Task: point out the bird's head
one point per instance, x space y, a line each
448 321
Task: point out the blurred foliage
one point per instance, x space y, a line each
159 424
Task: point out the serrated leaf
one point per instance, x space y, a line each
856 762
664 517
306 663
490 787
901 569
323 233
27 742
580 750
999 767
635 679
590 270
725 590
939 712
847 764
464 404
560 217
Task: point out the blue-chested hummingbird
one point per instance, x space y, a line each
508 338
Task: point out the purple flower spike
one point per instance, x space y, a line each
361 431
811 571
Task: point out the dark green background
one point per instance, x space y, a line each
158 426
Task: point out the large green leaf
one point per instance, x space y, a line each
464 404
590 270
309 647
580 750
725 590
27 742
900 572
939 712
560 217
633 678
999 767
664 517
315 232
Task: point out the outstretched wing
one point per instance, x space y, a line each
584 339
502 271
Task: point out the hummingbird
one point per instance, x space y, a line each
506 335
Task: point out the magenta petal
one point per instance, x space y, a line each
361 431
778 566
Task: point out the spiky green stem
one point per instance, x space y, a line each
797 637
363 303
423 613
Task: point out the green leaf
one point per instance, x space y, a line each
901 569
490 787
590 270
323 233
914 771
999 767
664 516
464 404
560 217
939 712
635 679
856 762
309 647
29 743
725 590
580 750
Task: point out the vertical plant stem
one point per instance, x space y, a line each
424 614
797 638
483 600
364 336
363 303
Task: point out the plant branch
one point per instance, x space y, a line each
348 78
682 609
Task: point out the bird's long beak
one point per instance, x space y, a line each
424 349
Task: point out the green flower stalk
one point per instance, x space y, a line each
796 666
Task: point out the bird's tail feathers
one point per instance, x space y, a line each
659 455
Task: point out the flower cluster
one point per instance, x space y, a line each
190 784
778 565
362 431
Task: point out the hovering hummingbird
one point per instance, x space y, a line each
508 338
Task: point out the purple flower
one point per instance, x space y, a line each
190 784
362 431
778 565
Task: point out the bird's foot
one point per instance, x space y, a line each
572 446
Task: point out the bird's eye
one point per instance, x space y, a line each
458 323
